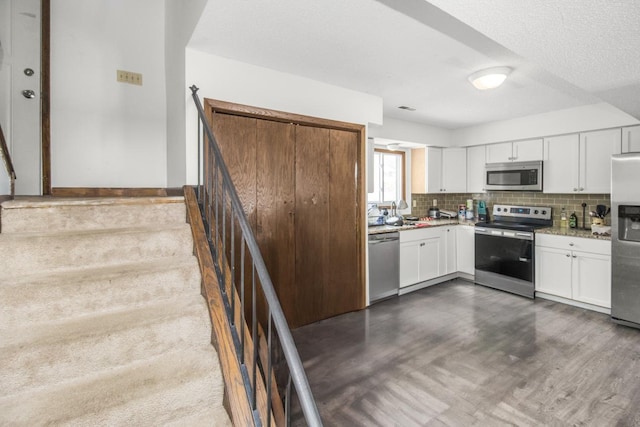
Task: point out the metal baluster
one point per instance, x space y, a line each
224 235
269 369
242 299
216 180
200 134
233 271
254 334
287 403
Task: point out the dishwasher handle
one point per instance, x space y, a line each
375 240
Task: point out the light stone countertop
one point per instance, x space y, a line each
412 225
572 232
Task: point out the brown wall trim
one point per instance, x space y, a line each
115 192
279 116
45 56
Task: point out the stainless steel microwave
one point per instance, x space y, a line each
514 176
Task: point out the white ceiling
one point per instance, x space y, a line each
412 53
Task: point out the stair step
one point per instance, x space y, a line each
59 251
52 215
50 297
50 353
153 392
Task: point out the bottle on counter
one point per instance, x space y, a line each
563 219
573 220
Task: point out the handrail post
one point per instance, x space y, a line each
296 370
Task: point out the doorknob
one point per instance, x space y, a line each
28 72
28 93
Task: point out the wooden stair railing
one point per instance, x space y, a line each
4 149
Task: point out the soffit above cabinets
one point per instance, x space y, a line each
409 53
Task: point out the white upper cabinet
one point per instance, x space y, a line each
476 161
631 139
580 163
560 168
596 149
500 153
519 151
454 170
438 170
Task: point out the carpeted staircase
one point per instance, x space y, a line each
101 317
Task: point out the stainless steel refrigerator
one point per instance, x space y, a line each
625 239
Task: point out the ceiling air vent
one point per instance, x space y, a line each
404 107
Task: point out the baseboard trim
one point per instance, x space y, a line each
115 192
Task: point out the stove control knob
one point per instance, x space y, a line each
536 212
499 209
544 212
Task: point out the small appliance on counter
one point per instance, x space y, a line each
447 214
434 212
482 211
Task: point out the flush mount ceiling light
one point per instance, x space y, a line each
393 147
489 78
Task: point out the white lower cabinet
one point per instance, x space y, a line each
449 235
574 268
465 249
423 255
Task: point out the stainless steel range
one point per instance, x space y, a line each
505 248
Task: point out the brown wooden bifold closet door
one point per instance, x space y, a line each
298 185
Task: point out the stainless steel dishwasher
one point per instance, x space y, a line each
384 265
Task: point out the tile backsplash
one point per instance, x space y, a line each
571 202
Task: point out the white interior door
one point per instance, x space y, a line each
20 72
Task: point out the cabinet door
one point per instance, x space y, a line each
431 258
592 278
526 151
476 161
434 170
344 291
596 149
409 263
500 153
449 240
553 271
631 139
560 169
454 170
465 249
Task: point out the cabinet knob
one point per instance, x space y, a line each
581 189
570 244
567 255
575 189
575 256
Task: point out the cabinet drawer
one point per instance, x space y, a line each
419 234
602 247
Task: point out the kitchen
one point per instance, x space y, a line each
545 100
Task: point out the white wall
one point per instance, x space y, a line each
105 133
181 17
242 83
570 120
401 130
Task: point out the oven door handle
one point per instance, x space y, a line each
522 259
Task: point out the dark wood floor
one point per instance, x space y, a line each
457 354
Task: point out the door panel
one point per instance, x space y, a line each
236 137
20 116
275 206
312 213
560 174
342 295
553 271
